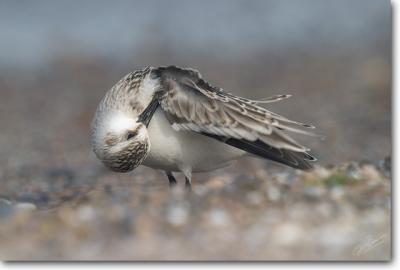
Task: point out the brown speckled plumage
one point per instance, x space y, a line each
124 91
128 158
186 105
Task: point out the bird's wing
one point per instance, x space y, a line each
193 104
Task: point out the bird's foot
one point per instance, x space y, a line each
171 179
173 182
188 185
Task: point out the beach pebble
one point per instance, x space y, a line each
337 193
177 215
288 234
6 208
219 217
321 172
25 206
353 171
86 213
314 192
254 198
273 193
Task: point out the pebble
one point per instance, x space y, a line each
177 215
219 182
285 178
273 193
353 171
25 206
340 238
201 190
314 191
6 208
219 217
337 193
369 172
254 198
86 213
321 172
288 234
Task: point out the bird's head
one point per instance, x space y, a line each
120 142
119 128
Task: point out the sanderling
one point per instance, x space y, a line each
170 118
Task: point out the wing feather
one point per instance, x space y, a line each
193 104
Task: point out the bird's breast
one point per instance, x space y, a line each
173 150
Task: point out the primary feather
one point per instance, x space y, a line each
193 104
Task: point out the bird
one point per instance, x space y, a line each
169 118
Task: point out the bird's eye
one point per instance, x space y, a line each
131 134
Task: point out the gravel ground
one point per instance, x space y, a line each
243 212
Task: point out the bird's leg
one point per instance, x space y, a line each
171 179
187 172
188 184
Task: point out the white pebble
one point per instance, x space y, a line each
288 234
25 206
219 217
273 193
86 213
177 215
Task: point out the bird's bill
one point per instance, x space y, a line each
147 114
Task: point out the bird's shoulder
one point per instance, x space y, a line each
173 78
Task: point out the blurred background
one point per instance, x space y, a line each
57 60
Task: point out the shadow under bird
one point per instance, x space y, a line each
170 118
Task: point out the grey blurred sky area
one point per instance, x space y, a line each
33 32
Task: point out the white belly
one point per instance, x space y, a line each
173 150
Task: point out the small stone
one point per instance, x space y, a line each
353 171
25 206
321 172
219 217
86 213
177 215
201 190
218 182
285 178
341 238
273 193
314 192
337 193
288 234
6 208
254 198
369 172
